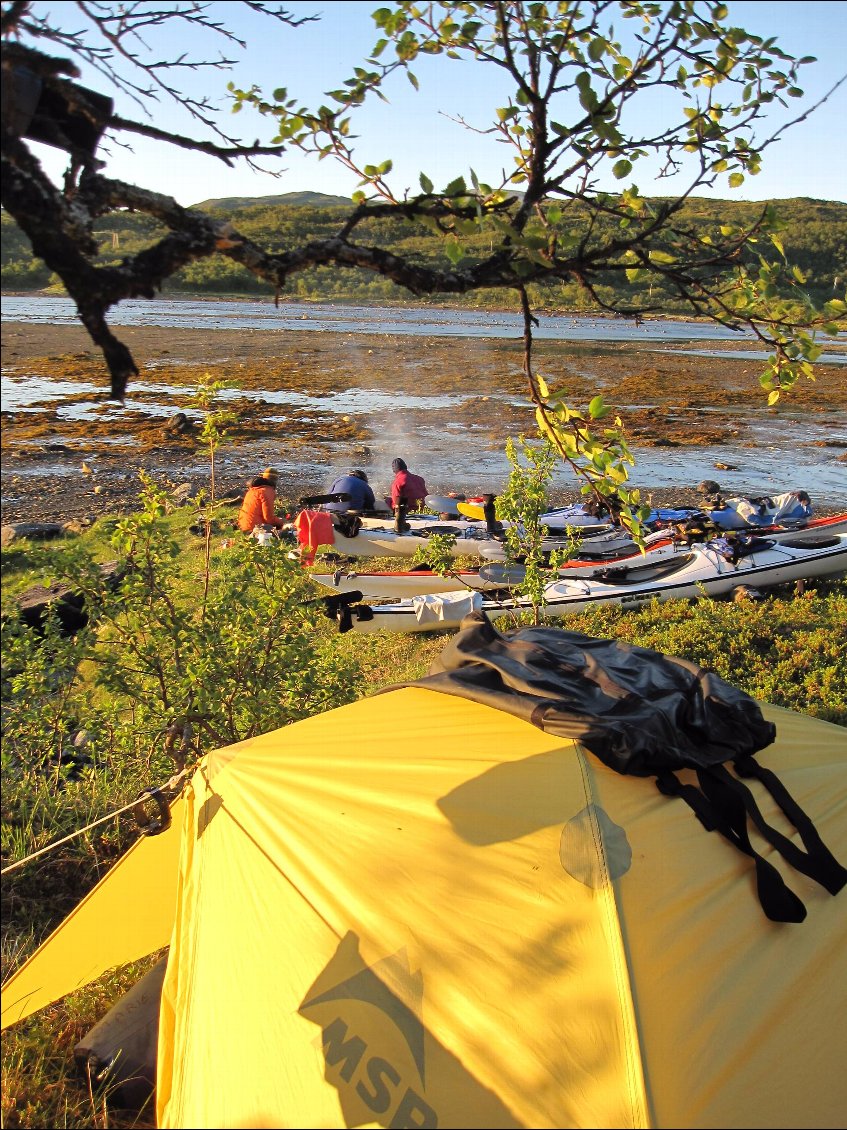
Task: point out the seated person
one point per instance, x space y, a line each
354 483
257 509
406 489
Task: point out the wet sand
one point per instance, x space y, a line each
57 467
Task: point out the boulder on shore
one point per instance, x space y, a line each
68 604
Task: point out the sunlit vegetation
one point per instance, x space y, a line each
815 240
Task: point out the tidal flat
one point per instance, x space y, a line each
314 404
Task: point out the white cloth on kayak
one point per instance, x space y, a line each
434 607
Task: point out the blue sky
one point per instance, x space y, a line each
416 130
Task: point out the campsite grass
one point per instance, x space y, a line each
789 650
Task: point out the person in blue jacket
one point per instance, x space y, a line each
354 483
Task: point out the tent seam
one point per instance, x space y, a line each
636 1084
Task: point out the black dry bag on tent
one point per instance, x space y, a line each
648 715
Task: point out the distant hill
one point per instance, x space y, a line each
815 240
312 199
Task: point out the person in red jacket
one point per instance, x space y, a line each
257 509
408 489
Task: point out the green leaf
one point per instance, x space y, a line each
622 168
453 250
597 409
426 183
736 180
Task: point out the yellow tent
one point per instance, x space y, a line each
421 911
128 915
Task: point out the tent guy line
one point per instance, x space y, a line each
154 791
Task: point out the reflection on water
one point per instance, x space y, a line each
761 355
19 393
474 468
416 320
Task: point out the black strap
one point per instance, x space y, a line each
817 861
723 804
779 903
719 810
670 785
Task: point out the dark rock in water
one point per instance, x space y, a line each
179 424
709 486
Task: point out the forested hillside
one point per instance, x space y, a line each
815 241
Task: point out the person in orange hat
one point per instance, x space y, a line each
257 509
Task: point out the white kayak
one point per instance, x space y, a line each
615 539
557 520
597 554
472 538
387 584
700 570
469 538
446 505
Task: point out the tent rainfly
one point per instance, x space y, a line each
421 910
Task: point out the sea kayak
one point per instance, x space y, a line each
388 584
710 569
468 538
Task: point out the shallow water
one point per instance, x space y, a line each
773 451
423 321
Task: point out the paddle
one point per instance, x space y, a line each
443 504
319 499
503 574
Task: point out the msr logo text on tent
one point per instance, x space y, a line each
373 1037
376 1081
